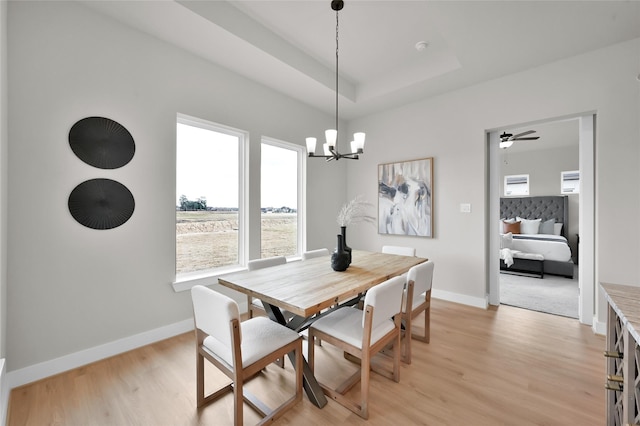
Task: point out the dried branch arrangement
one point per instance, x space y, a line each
355 211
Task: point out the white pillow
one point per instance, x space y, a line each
529 226
557 229
506 241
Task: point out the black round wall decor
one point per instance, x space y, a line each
101 142
101 203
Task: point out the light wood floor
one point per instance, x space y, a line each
502 366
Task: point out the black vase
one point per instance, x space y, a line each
343 229
339 257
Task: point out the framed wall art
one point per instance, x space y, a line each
405 198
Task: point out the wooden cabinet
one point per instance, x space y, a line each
622 355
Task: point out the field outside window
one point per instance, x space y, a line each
281 209
209 185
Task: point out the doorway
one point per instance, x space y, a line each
582 241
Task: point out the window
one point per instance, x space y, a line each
570 182
516 185
281 177
209 196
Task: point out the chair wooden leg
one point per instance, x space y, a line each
238 399
427 324
199 379
365 373
299 372
406 339
397 350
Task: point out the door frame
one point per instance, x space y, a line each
586 213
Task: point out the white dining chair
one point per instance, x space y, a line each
311 254
362 334
417 300
401 250
240 350
255 306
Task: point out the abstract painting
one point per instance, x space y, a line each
405 198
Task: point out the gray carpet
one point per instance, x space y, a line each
551 294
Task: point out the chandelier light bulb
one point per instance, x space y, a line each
358 139
331 136
311 145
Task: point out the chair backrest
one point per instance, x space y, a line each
386 299
252 265
422 276
212 312
401 250
315 253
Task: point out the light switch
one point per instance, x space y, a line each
465 208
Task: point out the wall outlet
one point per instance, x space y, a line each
465 208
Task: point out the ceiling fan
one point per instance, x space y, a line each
507 139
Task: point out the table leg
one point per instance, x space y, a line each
311 386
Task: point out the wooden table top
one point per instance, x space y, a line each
625 300
307 287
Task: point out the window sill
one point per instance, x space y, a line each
186 281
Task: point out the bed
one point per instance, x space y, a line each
538 244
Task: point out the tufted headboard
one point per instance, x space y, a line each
547 207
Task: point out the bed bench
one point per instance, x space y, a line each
525 263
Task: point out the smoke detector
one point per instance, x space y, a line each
421 45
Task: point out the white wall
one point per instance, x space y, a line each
72 288
3 176
451 128
4 394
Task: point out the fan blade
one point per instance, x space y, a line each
526 139
528 132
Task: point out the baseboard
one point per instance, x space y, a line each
4 392
599 327
78 359
478 302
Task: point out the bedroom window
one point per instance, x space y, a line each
210 189
516 185
570 182
281 176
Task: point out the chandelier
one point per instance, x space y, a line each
331 145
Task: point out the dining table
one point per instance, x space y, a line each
297 293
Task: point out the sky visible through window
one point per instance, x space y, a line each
279 182
207 166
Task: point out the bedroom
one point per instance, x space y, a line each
539 258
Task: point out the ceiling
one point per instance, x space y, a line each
290 45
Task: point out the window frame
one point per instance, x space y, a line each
526 192
569 176
301 195
243 192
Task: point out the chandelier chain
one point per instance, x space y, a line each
337 28
331 146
